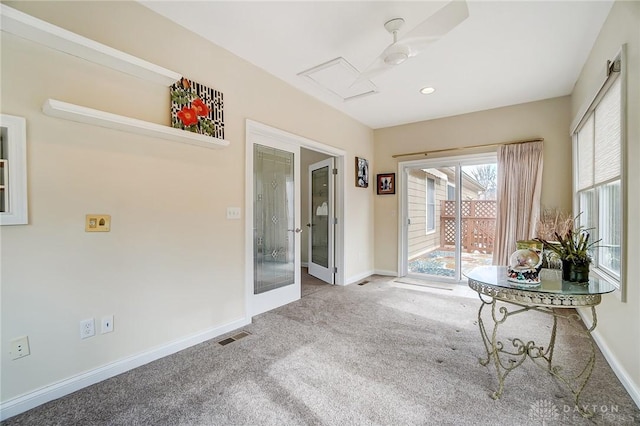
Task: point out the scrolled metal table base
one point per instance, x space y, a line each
507 357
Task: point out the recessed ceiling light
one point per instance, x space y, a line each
427 90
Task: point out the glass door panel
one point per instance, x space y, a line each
478 214
320 216
322 224
274 242
431 232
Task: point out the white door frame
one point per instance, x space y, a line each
403 166
255 132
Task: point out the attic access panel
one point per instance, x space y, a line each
339 77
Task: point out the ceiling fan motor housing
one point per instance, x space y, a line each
396 54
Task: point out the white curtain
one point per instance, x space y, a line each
519 188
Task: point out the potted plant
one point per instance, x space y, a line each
572 249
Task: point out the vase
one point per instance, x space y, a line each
575 273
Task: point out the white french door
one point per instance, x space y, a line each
321 223
276 224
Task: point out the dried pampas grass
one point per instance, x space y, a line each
553 220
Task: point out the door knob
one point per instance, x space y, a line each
308 225
297 230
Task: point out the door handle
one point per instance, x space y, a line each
309 225
297 230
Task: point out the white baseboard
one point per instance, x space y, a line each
386 273
304 264
359 277
627 381
64 387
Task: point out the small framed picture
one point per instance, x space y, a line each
386 183
362 173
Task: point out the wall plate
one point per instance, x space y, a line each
97 223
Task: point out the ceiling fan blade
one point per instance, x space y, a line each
441 22
417 45
376 68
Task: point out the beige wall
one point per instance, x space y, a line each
619 323
549 119
172 266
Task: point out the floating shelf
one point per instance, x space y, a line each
39 31
80 114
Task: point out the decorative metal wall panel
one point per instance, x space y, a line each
197 108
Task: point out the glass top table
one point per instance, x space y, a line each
552 290
492 286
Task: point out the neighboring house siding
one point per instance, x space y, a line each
419 240
468 194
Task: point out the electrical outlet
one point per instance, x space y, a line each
107 324
20 347
87 328
234 213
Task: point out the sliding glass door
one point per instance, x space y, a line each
448 216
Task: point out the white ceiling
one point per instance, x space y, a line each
504 53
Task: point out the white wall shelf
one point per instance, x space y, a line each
34 29
80 114
14 170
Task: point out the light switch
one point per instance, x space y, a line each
97 223
233 213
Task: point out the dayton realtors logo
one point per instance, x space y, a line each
545 411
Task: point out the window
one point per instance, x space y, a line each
13 170
451 192
598 185
431 204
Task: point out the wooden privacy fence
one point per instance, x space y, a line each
478 225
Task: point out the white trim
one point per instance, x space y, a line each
39 31
80 114
385 272
16 183
625 378
360 277
64 387
257 130
403 251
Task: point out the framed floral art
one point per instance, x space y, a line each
197 108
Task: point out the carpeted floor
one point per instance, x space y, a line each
376 354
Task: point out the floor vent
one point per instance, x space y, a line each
363 283
240 335
234 338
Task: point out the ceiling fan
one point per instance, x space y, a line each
427 32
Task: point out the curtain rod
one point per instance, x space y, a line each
467 147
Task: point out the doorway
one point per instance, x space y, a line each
447 222
274 225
